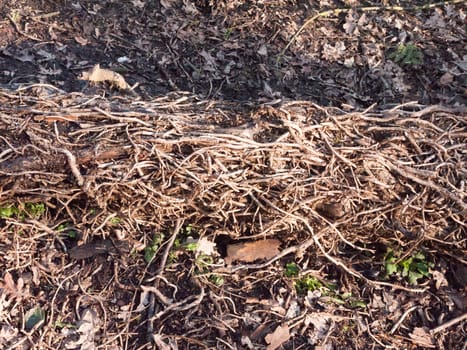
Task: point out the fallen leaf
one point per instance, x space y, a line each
14 290
7 334
210 61
138 3
25 56
143 300
34 318
446 79
421 336
440 279
320 324
334 53
278 337
263 50
245 341
251 251
189 8
86 329
80 40
166 4
293 310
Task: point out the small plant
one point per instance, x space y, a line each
291 269
308 283
191 247
150 250
407 54
115 220
15 16
217 280
203 262
185 239
228 33
328 292
35 210
413 267
8 212
67 230
188 230
32 210
353 302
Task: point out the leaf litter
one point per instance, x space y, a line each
251 251
293 151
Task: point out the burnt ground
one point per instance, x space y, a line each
227 63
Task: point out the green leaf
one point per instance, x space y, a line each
422 267
217 280
151 250
291 269
405 264
407 54
346 295
35 209
64 228
61 325
358 303
390 268
8 212
419 256
188 229
115 220
414 276
149 253
308 284
34 317
337 300
191 247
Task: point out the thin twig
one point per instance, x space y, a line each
154 291
402 318
449 323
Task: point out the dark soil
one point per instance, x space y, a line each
232 50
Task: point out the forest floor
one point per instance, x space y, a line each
246 175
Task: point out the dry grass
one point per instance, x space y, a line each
335 187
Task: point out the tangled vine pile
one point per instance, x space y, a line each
124 186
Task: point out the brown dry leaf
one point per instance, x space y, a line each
440 279
166 4
350 25
278 337
87 328
446 79
334 53
320 325
80 40
138 3
421 336
15 290
7 334
211 63
251 251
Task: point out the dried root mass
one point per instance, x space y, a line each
337 187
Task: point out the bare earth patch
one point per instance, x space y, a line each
228 185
